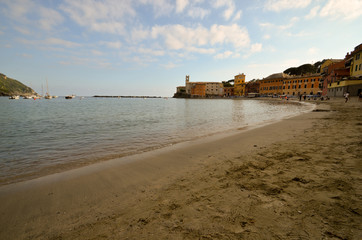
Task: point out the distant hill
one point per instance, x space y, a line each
304 69
9 87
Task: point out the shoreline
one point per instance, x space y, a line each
275 181
60 167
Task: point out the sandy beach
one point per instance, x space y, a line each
299 178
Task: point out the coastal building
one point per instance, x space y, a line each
228 91
198 89
181 89
308 84
273 84
326 63
336 72
252 86
356 64
351 85
214 89
347 77
328 68
202 89
239 85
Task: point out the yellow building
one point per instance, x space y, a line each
356 65
324 66
239 85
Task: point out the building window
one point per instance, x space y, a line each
305 86
359 67
312 85
357 56
356 68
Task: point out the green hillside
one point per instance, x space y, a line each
9 87
303 69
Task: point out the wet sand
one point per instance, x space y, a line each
299 178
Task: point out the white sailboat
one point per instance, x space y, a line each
47 95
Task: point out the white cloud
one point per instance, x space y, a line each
149 51
160 7
49 18
169 65
201 50
115 45
230 7
139 34
22 30
224 55
197 12
313 12
181 5
280 27
202 40
256 47
234 34
96 52
107 16
266 36
86 61
61 42
237 15
280 5
31 13
342 9
18 9
50 41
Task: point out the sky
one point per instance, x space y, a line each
147 47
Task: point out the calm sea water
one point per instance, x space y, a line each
38 137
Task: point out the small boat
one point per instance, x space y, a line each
54 96
36 97
70 97
14 97
27 97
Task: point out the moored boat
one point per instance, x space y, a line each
70 97
14 97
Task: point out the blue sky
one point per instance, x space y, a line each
146 47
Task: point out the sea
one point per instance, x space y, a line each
40 137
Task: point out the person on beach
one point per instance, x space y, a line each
346 96
304 97
360 96
300 97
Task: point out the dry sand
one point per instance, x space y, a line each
296 179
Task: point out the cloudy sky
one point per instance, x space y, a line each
146 47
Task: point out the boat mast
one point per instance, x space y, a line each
47 93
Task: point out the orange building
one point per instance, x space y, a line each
198 89
273 84
299 85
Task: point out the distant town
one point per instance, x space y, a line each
328 78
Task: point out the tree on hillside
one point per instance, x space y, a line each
302 69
